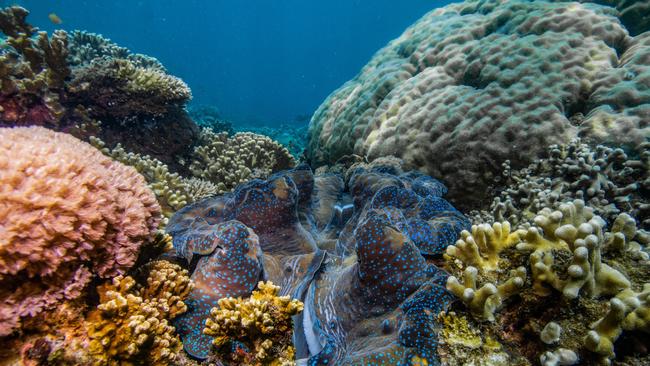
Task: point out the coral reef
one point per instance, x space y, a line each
474 84
371 297
171 190
259 327
131 323
33 70
575 266
119 89
84 47
290 136
608 179
67 81
229 161
128 326
209 117
67 213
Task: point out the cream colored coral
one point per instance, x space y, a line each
171 190
559 357
198 189
482 246
573 228
229 161
261 322
484 301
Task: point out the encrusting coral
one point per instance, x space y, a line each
229 161
255 331
131 323
474 84
67 213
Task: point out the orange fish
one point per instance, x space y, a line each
55 18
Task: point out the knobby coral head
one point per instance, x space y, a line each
67 214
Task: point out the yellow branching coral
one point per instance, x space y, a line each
229 161
257 330
629 310
131 324
482 246
572 231
484 301
477 255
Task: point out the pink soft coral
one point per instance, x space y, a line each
67 213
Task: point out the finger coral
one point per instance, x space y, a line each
578 263
474 84
67 214
131 323
229 161
609 180
573 228
257 330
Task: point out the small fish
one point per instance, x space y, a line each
55 18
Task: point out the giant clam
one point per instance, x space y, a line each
352 247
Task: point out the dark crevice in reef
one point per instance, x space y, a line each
472 78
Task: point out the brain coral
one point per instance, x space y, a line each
473 84
67 213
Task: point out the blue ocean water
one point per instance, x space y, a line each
258 61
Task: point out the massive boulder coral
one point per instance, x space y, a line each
229 161
350 246
474 84
67 213
634 14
